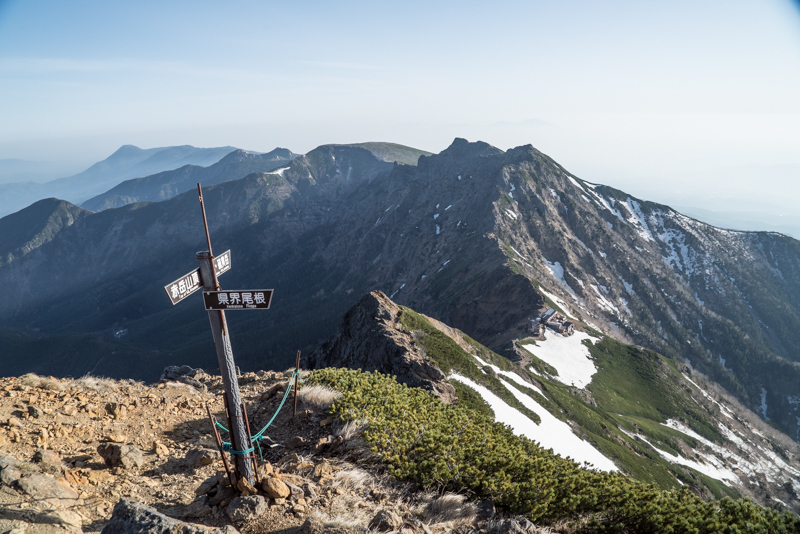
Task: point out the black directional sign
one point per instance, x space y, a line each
241 299
190 283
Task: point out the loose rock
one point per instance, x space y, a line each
275 488
200 457
246 508
124 456
131 517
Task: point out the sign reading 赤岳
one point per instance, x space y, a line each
242 299
189 283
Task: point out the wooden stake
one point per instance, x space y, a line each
296 375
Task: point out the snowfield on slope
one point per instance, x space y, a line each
551 433
568 355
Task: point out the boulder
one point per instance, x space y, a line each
116 455
246 508
41 486
131 517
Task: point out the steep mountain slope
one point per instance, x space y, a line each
475 236
127 162
637 412
168 184
22 232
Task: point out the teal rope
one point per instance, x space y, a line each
227 447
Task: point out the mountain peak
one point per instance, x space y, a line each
126 151
460 147
371 337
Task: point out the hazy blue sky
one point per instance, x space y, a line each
659 98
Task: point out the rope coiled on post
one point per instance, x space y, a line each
227 447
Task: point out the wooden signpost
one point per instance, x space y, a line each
216 302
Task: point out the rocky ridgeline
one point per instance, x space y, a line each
92 455
371 338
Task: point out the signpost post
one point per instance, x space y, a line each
216 302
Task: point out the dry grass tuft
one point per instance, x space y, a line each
352 429
352 479
450 508
41 382
101 384
497 526
318 397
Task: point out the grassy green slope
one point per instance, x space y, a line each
634 389
446 447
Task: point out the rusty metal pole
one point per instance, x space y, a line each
227 367
231 476
297 372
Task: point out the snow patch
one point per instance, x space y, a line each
637 219
558 273
551 433
568 355
628 287
603 302
713 469
513 376
437 229
511 214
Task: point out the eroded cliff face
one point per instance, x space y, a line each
371 338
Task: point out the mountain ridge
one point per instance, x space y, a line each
126 162
475 236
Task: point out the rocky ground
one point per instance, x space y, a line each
75 452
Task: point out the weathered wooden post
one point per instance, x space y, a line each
240 441
216 302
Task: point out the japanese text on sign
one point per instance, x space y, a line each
189 283
253 299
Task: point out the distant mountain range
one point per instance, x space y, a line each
168 184
479 238
127 162
20 170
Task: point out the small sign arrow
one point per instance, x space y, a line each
190 283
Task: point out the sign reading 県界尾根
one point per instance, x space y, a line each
242 299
